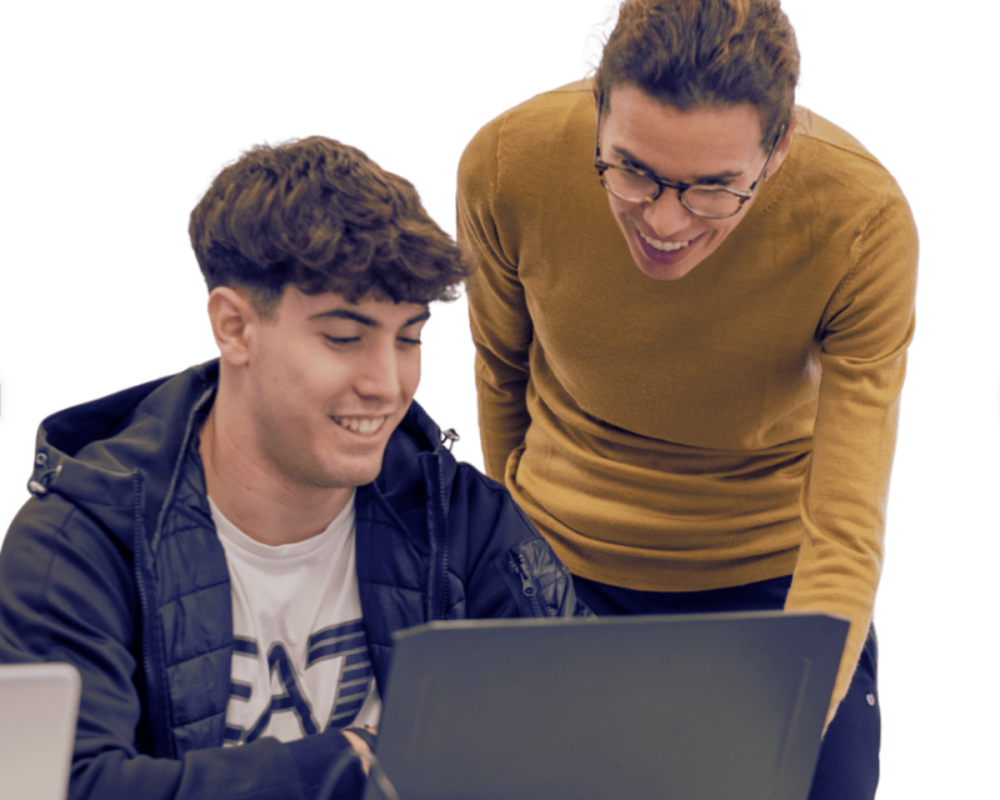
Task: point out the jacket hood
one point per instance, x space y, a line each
117 456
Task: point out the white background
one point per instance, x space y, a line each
115 117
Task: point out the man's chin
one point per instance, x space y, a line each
665 272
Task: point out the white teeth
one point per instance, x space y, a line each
366 426
666 247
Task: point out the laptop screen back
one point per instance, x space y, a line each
695 707
38 710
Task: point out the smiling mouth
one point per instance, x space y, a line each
366 426
663 247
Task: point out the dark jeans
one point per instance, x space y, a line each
848 763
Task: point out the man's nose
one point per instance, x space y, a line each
666 215
380 372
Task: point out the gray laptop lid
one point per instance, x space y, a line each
38 710
697 707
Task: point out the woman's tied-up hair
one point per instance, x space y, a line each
322 216
696 53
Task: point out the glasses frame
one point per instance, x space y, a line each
662 183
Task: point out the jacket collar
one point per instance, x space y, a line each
129 448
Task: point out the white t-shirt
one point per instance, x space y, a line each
300 664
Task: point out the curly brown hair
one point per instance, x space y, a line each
324 217
690 53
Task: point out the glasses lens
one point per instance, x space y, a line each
710 202
628 185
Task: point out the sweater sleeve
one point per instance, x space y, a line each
67 594
865 332
501 324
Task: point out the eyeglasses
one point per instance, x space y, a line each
637 185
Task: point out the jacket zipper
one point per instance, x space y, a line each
520 565
157 742
446 538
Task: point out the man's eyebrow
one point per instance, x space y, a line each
425 314
363 319
625 155
346 313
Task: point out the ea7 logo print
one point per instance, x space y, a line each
355 674
297 702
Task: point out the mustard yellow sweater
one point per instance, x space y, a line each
732 426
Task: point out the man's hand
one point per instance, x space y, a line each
361 746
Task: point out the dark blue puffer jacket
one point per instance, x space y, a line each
114 566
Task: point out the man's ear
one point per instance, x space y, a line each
233 318
784 145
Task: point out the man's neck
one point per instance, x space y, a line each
263 505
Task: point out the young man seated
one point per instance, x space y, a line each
225 553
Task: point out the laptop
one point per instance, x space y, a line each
38 709
698 707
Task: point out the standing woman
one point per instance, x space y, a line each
691 315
